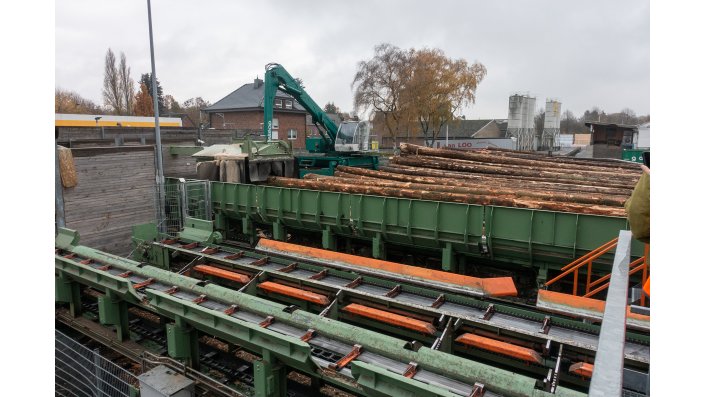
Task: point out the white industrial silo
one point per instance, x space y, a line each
520 123
551 125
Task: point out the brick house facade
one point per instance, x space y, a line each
242 110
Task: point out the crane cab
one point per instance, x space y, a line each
353 136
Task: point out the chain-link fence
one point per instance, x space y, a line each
185 198
80 371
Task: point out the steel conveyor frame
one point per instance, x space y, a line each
277 332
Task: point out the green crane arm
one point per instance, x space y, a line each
276 77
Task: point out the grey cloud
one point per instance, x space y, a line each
584 53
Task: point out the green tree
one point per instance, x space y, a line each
331 108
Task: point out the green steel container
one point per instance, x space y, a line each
633 155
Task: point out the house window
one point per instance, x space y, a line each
289 104
292 134
278 103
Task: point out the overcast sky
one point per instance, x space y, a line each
585 54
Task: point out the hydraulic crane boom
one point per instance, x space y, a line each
277 78
337 145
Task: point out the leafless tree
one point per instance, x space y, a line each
420 87
378 84
127 85
112 91
193 107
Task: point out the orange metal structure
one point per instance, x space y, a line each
391 318
591 286
344 361
595 306
499 347
222 273
582 369
497 286
294 292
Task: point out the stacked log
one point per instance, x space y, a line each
610 163
499 180
373 187
488 177
475 188
524 159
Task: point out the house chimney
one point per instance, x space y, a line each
258 82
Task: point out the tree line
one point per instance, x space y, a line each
571 124
121 96
416 92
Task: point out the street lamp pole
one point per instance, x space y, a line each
157 132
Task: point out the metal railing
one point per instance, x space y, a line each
80 371
185 198
592 287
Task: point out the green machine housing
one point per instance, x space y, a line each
347 144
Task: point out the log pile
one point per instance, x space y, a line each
488 177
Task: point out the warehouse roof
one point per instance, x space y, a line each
482 128
250 96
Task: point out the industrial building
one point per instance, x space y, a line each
609 140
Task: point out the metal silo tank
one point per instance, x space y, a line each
551 125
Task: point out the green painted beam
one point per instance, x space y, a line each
288 350
378 382
520 236
270 376
199 230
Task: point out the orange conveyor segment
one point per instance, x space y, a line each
579 302
496 286
499 347
294 292
581 369
222 273
391 318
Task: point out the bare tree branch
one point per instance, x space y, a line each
111 84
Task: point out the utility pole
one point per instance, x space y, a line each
157 132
